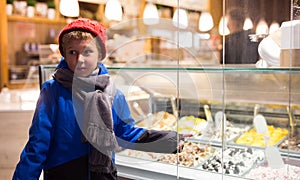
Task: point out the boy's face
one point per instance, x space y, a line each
82 56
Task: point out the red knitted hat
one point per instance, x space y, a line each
87 25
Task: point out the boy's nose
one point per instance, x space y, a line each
80 58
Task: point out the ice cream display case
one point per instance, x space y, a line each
225 108
220 107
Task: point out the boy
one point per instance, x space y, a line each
80 118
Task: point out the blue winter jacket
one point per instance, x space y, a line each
54 135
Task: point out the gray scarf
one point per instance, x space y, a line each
92 99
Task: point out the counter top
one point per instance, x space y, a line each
18 100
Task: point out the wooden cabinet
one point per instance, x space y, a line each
3 45
15 31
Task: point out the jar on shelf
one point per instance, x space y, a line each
20 7
51 10
30 8
41 8
5 94
9 7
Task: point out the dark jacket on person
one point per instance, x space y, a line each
239 49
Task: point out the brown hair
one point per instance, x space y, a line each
237 15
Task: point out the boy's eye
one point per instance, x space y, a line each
72 52
87 52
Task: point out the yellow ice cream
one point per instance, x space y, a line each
252 138
189 124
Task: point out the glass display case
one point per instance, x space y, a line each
191 100
243 115
196 97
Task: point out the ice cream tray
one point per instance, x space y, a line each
294 148
235 161
290 170
149 156
212 139
290 153
193 154
234 143
200 153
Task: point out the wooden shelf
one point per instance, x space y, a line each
36 19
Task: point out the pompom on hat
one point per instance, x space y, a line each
86 25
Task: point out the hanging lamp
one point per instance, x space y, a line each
274 27
69 8
248 24
113 10
180 18
262 27
206 22
223 29
150 15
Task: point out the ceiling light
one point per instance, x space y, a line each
206 22
150 15
180 18
113 10
69 8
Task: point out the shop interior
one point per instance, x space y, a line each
168 58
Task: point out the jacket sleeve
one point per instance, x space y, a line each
34 153
124 124
158 141
132 137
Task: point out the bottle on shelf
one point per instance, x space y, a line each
5 94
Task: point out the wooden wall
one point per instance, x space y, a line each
278 10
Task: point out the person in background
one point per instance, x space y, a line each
273 52
81 119
238 49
